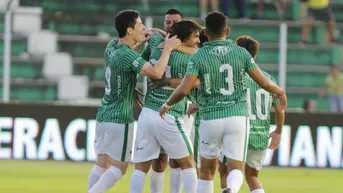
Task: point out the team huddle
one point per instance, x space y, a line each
207 106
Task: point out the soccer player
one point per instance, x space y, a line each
114 127
259 107
221 66
159 165
154 132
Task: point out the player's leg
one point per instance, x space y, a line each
211 135
175 177
157 173
222 169
171 135
254 164
119 136
235 143
146 149
102 161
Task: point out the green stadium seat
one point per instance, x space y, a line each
24 69
83 49
296 54
30 90
18 46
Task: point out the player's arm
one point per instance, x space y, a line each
156 71
256 74
172 82
186 85
279 118
182 90
139 45
163 33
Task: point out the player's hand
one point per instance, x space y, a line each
158 83
192 108
156 30
137 100
172 43
276 138
164 108
283 100
146 34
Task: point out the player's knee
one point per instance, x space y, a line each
121 165
173 164
103 161
186 162
159 165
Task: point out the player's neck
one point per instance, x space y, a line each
126 40
216 38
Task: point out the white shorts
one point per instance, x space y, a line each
114 139
255 159
228 135
195 142
154 133
189 123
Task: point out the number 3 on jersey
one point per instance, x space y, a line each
228 79
108 81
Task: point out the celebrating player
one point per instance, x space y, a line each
159 165
224 125
154 132
114 127
259 107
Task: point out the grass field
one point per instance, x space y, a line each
71 177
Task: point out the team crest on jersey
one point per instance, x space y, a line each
220 50
110 51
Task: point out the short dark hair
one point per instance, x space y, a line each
215 24
174 12
184 29
202 37
249 43
124 20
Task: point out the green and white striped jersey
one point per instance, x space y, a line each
122 64
221 67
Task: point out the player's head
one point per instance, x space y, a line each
203 38
216 26
129 23
249 43
187 32
172 16
335 70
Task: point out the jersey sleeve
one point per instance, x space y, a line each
250 63
146 53
153 40
193 66
133 61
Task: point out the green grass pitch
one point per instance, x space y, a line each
71 177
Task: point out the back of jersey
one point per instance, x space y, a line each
259 105
221 67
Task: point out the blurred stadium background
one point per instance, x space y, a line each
56 61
